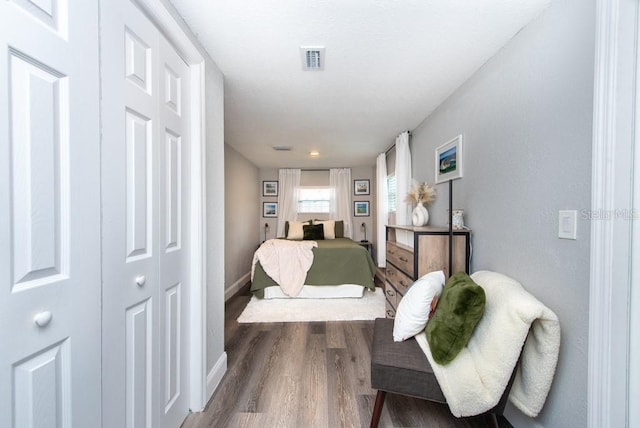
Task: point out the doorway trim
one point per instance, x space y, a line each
610 389
168 21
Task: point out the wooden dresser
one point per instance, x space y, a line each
430 252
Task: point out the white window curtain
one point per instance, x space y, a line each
382 209
289 184
340 204
403 183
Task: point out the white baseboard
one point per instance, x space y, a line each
215 375
233 289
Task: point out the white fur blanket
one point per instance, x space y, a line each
475 380
286 262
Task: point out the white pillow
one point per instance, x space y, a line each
329 227
295 230
413 311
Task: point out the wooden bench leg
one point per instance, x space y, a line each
377 408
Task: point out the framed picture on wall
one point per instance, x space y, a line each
269 209
360 187
269 188
449 160
361 209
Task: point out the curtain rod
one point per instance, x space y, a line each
324 169
393 146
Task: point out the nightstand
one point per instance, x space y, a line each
368 246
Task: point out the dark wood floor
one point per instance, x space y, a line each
306 375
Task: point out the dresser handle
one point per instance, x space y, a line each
390 314
403 259
402 283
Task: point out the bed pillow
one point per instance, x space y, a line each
329 228
414 308
338 227
293 229
459 309
313 232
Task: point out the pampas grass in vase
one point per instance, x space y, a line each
420 194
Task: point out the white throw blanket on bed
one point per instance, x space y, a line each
286 262
475 380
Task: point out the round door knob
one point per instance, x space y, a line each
140 280
43 319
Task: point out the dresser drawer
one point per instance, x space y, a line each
391 295
398 279
400 257
390 310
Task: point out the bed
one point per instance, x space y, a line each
341 268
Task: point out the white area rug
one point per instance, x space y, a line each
368 307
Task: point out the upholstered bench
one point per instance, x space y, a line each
402 368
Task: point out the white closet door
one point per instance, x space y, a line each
49 214
129 217
144 195
174 254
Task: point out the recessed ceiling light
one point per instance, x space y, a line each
314 153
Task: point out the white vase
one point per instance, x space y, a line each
420 215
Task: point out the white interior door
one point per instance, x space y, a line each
130 223
49 214
145 194
174 245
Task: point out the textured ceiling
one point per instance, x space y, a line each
389 63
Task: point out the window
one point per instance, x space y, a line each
314 200
391 193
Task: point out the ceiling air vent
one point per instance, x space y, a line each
282 148
312 57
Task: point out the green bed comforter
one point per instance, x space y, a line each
335 261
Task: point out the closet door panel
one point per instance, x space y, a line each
49 214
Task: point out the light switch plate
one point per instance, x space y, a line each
567 224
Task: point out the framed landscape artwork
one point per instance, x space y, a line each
449 160
361 209
269 209
269 188
361 187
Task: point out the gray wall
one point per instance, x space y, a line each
242 191
364 173
526 119
267 174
